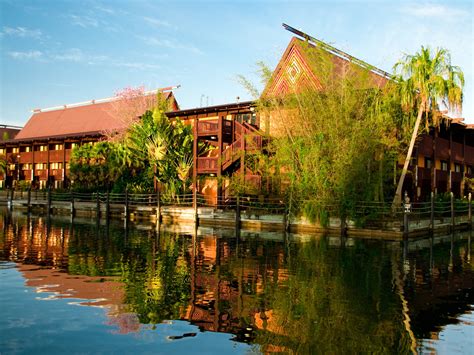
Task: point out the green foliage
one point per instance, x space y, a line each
151 147
3 164
334 146
95 167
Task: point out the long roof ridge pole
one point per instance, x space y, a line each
99 101
338 52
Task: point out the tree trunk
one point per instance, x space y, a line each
398 194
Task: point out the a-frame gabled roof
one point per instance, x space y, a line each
296 70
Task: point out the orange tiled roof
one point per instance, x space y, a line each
69 121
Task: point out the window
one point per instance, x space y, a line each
457 168
12 167
444 165
71 145
250 118
2 151
56 147
469 170
26 166
43 148
40 166
428 163
56 165
15 150
25 149
68 166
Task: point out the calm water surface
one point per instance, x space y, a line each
85 288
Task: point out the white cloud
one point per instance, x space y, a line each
76 55
158 23
136 65
26 55
22 32
84 21
107 10
433 10
172 44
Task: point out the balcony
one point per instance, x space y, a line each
442 148
56 156
207 165
41 156
42 174
425 147
26 157
208 128
469 155
56 173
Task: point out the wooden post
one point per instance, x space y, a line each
405 224
432 212
196 216
343 226
158 207
107 206
29 200
49 201
452 212
469 211
288 214
237 213
72 205
126 205
97 208
10 199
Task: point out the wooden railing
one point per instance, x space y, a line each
206 165
207 127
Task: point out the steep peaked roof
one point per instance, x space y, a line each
91 118
297 70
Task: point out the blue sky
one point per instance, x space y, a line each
60 52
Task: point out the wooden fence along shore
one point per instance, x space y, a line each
250 213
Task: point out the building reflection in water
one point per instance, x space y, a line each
280 293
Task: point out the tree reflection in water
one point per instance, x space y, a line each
319 294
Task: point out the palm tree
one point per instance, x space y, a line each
425 80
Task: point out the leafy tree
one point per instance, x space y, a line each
426 79
334 145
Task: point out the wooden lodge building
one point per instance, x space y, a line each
40 152
443 160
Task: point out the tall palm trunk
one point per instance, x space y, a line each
398 193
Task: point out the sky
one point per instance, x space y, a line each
62 52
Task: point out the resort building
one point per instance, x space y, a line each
8 132
39 154
443 160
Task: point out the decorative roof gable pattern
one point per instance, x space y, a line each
295 71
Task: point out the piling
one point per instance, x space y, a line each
432 212
196 216
158 207
10 199
107 205
49 201
28 205
97 207
72 204
452 212
469 213
237 212
126 206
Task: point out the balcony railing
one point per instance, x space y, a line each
206 165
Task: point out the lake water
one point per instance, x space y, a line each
87 288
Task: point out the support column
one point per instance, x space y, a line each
220 145
195 159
